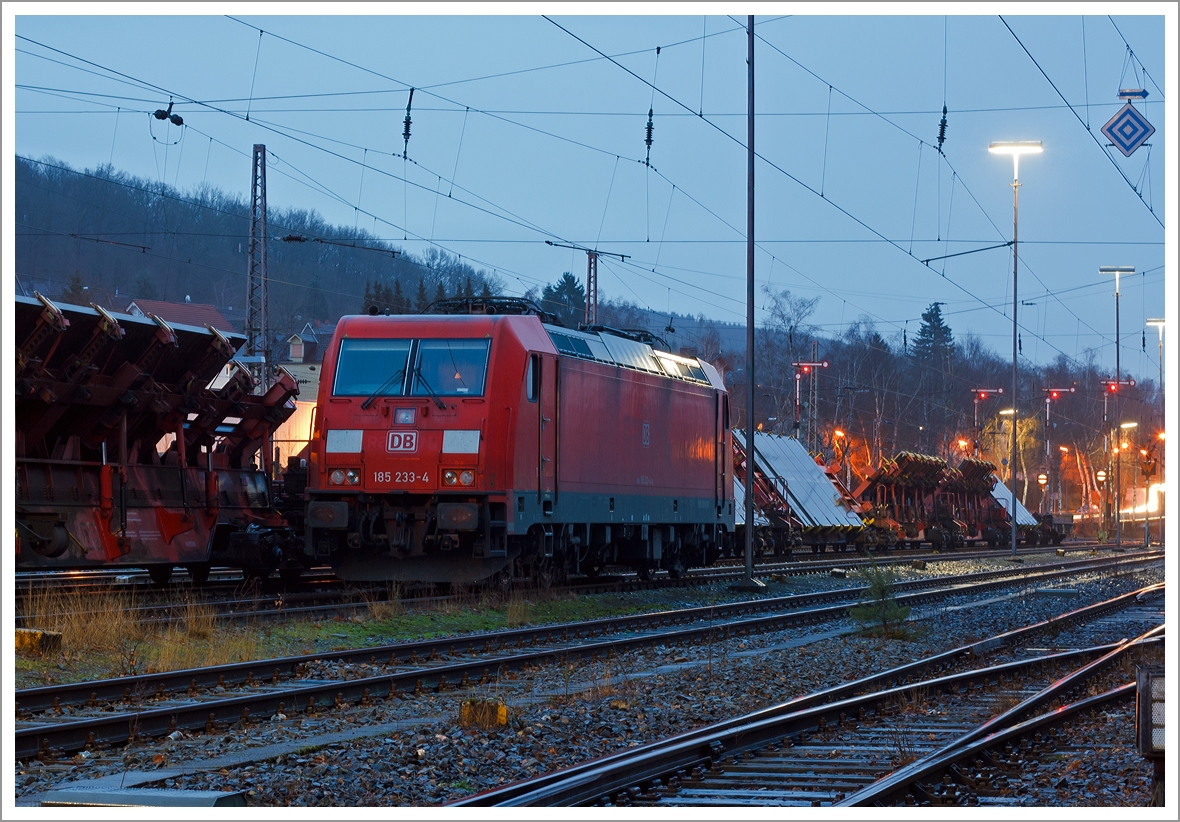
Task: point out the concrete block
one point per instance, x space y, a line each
33 641
840 572
142 797
918 565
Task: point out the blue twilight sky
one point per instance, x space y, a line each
527 129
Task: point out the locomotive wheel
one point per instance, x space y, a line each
543 575
198 572
289 576
501 581
160 574
646 572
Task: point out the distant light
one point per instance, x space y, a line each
1129 425
1007 412
838 433
1161 435
1016 148
1064 450
962 443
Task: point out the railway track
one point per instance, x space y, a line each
324 595
939 731
56 719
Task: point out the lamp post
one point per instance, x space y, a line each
1015 150
1050 395
1108 444
802 368
1061 498
1159 326
1117 271
1101 478
1118 487
982 394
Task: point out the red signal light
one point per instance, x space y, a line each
1053 395
1114 387
982 395
807 369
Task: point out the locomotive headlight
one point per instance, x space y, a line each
466 477
404 416
450 477
337 477
353 476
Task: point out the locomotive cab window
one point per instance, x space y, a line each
450 368
368 367
532 378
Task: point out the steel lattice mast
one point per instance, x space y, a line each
257 324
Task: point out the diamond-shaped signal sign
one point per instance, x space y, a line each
1128 130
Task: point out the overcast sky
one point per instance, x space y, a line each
527 129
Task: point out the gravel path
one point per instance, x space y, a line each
412 751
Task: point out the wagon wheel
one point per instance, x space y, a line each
160 574
675 568
198 572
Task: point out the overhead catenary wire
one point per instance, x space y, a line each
616 162
1113 162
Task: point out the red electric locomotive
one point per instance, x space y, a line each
481 440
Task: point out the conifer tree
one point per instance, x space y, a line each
397 298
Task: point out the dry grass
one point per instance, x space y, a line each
1007 700
901 740
486 714
105 627
175 649
385 607
88 622
518 610
910 702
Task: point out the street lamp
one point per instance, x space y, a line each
1159 326
1118 487
1061 496
982 394
839 439
1101 477
1015 150
1050 395
802 368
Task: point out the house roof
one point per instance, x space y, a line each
198 314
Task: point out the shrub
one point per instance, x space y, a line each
878 611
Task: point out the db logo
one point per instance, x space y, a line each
402 441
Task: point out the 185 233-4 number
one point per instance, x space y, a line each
401 476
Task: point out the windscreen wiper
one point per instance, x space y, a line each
383 387
442 406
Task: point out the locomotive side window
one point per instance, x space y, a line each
366 367
532 378
449 368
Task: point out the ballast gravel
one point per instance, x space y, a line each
412 751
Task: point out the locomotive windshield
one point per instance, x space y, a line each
450 368
368 366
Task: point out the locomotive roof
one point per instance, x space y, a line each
598 346
609 348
